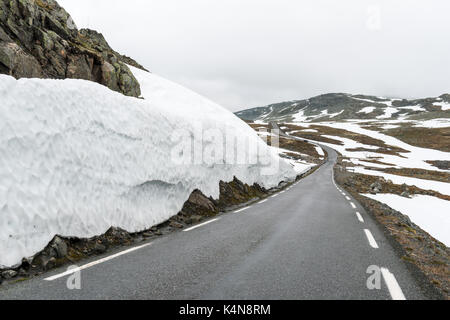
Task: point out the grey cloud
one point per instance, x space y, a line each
255 52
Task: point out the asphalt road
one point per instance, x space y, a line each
305 243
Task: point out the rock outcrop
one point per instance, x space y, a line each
38 39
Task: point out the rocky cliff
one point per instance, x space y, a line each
38 39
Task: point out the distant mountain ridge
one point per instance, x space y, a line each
342 106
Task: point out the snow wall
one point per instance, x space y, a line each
77 158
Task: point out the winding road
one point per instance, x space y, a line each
311 241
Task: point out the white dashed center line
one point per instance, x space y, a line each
91 264
348 198
371 239
353 205
200 225
360 218
392 284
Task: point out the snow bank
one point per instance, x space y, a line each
77 158
430 213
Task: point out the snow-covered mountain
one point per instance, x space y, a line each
341 106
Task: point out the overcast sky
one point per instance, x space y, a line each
246 53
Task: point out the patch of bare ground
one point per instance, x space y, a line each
308 151
378 162
379 150
431 138
440 164
292 127
257 126
423 253
315 136
419 173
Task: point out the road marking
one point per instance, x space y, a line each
348 198
91 264
200 225
392 284
371 239
274 196
240 210
353 205
262 201
360 218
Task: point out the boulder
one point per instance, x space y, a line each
405 194
99 248
59 248
376 187
9 274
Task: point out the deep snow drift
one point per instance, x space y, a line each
77 158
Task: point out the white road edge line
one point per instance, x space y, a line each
392 284
240 210
348 198
360 218
371 239
91 264
353 205
262 201
274 196
200 225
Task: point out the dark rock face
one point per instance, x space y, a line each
38 39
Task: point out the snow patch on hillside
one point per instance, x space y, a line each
388 112
367 110
416 157
430 213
